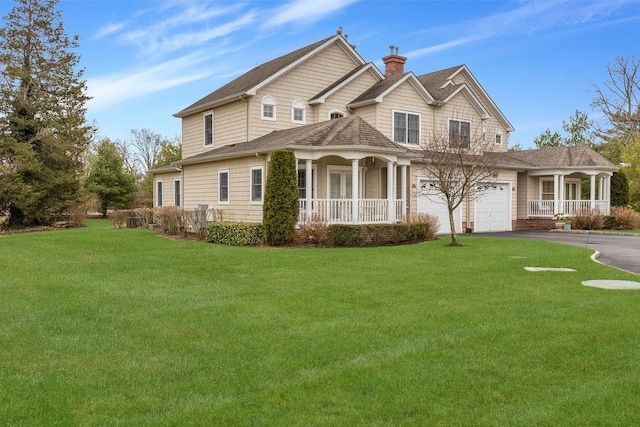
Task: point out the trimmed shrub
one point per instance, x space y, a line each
430 220
280 208
345 235
587 219
235 233
626 218
379 234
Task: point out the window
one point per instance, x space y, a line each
176 192
406 128
256 185
302 183
459 134
498 138
298 112
336 115
268 108
208 129
159 193
547 190
223 186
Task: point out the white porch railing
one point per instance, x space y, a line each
339 211
547 208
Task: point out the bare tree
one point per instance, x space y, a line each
147 146
618 99
461 166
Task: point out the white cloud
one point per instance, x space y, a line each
306 11
530 18
110 90
108 30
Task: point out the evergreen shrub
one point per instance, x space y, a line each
280 207
235 233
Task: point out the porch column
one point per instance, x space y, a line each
391 189
556 193
355 178
561 195
592 192
403 188
307 189
607 186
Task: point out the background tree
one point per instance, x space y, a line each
619 189
170 151
618 98
577 131
460 167
108 179
281 208
43 131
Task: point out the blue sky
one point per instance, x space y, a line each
538 60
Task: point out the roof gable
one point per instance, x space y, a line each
443 86
321 97
251 81
377 92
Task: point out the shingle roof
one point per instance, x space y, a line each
572 156
351 131
434 81
253 77
378 89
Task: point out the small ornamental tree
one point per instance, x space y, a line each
280 208
108 179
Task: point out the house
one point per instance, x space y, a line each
355 132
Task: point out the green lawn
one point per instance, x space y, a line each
122 327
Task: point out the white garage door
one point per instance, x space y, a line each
432 203
493 209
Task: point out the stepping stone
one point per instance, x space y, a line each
548 269
612 284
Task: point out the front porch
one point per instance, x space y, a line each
561 194
359 211
549 208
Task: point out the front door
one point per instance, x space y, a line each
340 194
571 191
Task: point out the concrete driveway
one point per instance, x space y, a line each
621 251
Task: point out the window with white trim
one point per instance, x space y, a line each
176 192
546 189
223 186
459 133
336 115
159 194
256 185
268 108
298 112
406 127
208 129
498 138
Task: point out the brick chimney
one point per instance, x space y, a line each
393 63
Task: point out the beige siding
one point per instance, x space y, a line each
339 100
301 83
403 98
521 191
202 188
168 195
229 127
